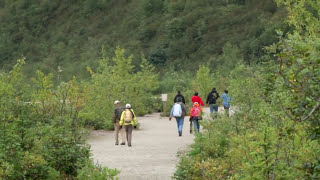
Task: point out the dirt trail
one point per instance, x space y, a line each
153 152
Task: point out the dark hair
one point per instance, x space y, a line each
214 89
196 93
179 92
226 91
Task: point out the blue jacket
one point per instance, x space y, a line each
226 100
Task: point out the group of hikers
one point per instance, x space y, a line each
179 109
124 117
125 120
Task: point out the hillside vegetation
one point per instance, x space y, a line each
56 36
83 55
275 131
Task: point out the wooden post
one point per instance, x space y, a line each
164 108
164 98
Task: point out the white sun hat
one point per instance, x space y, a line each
116 102
128 106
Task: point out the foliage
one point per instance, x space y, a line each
274 133
42 137
183 34
95 172
116 80
298 63
258 142
203 81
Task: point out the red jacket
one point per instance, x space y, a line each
197 99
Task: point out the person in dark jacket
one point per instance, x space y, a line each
179 98
212 100
116 119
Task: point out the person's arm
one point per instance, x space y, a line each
184 108
114 116
171 113
134 119
201 102
122 118
183 100
207 101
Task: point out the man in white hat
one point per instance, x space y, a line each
116 119
129 120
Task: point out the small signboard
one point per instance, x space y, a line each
164 97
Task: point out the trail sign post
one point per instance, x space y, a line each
164 98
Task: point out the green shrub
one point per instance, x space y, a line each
95 172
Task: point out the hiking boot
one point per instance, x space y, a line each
129 145
180 133
123 143
116 144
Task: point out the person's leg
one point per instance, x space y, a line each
191 126
215 109
123 135
177 119
116 131
198 125
181 124
180 121
129 134
195 125
211 108
226 110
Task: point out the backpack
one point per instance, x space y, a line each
214 97
128 116
196 112
177 110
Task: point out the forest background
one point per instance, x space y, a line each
82 55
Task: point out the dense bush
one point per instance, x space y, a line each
42 137
258 142
116 80
274 133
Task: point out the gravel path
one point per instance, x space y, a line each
153 152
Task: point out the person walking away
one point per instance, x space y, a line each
195 115
178 111
212 100
179 98
197 98
116 121
128 119
226 102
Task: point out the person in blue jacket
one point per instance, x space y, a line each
226 102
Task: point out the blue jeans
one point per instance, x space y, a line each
196 124
180 121
213 108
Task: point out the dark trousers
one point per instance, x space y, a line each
226 110
196 124
129 133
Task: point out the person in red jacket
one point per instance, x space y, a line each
197 99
